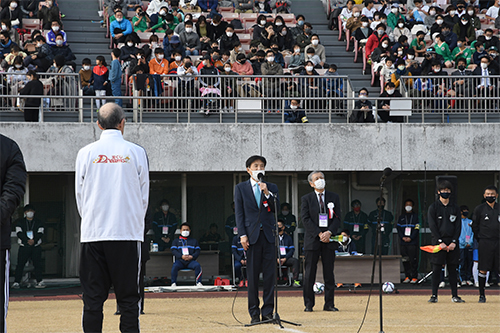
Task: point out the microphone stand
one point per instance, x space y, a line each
276 317
379 243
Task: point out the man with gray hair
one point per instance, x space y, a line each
112 192
321 219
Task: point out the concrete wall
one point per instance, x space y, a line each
52 147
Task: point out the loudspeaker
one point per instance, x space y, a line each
454 183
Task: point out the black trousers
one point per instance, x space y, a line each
327 254
295 265
261 258
410 260
107 263
141 286
5 263
25 253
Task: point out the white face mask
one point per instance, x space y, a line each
270 59
278 24
315 42
117 20
401 68
229 34
487 37
380 32
401 25
283 33
385 45
139 56
255 174
437 70
165 207
439 22
309 68
356 14
185 233
297 50
432 13
56 28
13 5
130 44
4 28
408 208
293 107
162 12
86 68
178 58
484 65
262 22
400 52
59 42
227 69
411 56
470 12
364 24
465 22
319 184
160 56
189 30
453 12
394 10
30 215
390 91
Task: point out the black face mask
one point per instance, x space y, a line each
490 199
188 65
381 206
275 49
461 67
445 195
465 214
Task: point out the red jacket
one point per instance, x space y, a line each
373 42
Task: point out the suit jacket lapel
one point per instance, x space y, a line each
251 193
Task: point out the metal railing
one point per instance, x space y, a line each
266 99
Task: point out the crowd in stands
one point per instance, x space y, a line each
420 38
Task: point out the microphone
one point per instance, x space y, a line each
387 173
260 176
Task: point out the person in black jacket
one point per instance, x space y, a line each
164 226
186 250
64 50
384 105
32 105
321 219
445 224
13 185
217 28
362 112
229 39
408 229
240 258
13 13
486 228
287 249
29 233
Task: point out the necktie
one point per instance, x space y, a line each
321 203
257 194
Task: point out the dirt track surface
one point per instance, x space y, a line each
401 314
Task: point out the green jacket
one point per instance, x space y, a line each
467 54
444 51
392 19
142 26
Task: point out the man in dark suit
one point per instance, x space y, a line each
485 86
254 209
321 219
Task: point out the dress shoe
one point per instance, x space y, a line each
308 309
255 319
330 308
267 317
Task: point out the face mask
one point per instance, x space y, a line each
300 22
315 42
465 214
394 10
309 68
294 107
263 22
453 12
229 34
189 30
297 50
165 207
117 20
285 212
255 174
470 12
385 45
4 27
460 44
376 18
364 24
484 65
445 195
13 5
319 184
178 58
362 97
432 13
465 22
380 32
357 209
59 42
129 44
227 69
253 50
461 67
487 37
283 33
275 49
188 65
86 68
493 55
270 59
30 215
49 3
381 207
56 28
160 56
481 49
408 208
355 14
383 21
436 70
390 91
308 31
278 24
411 56
162 12
400 52
401 25
439 22
445 32
490 199
402 68
185 233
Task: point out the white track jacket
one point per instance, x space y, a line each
112 189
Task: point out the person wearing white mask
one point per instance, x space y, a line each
120 28
29 237
319 49
85 74
271 85
293 114
320 211
55 30
254 203
408 230
49 13
186 250
155 6
486 85
190 40
164 226
384 105
182 26
12 13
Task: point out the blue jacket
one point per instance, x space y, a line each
5 48
208 4
408 221
115 74
466 231
237 249
190 243
124 25
286 242
98 77
247 211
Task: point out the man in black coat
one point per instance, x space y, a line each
321 219
384 105
13 185
33 87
